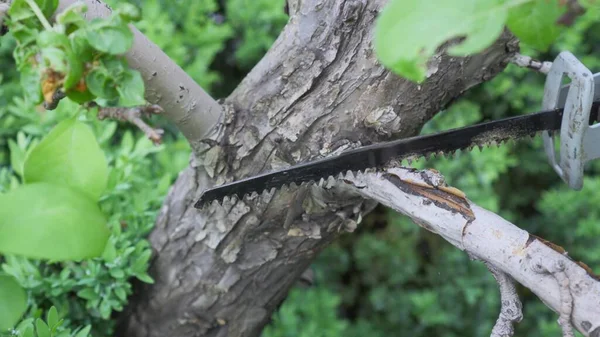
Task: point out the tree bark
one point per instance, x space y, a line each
318 91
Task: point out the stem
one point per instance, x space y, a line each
38 12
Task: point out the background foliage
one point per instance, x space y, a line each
390 276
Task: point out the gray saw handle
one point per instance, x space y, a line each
578 141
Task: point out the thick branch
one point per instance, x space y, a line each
185 103
423 196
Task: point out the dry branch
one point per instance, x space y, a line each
134 116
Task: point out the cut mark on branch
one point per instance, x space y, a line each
511 310
446 197
528 62
134 116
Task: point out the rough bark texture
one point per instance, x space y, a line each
318 91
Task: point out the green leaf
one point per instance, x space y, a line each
534 23
69 155
110 252
80 96
13 302
81 47
408 32
48 7
26 330
17 157
50 38
111 39
128 12
101 84
47 221
140 264
55 58
121 294
52 317
131 89
72 15
105 309
20 10
117 273
57 51
31 84
144 277
84 332
42 328
88 294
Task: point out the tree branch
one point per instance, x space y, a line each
528 62
134 116
444 210
184 102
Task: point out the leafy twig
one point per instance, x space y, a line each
528 62
38 12
134 115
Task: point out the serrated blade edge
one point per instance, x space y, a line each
377 156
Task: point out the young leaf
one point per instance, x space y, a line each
20 10
31 84
17 157
109 38
88 294
48 7
69 155
128 12
144 277
47 221
84 332
110 252
121 294
408 32
101 84
42 328
534 23
72 15
52 317
131 89
26 330
13 302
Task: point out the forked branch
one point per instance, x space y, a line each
568 287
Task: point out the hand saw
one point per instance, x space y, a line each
570 109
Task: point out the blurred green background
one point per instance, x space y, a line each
390 277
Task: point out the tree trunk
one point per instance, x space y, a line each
318 91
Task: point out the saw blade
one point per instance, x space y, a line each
377 156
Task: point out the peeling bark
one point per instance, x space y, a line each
318 91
